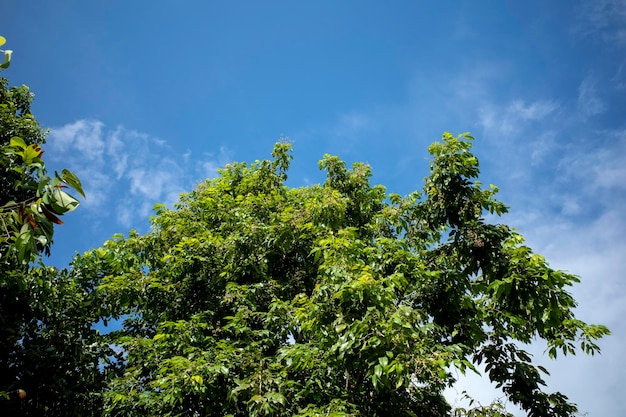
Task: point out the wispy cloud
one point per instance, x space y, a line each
208 164
589 101
126 172
350 124
603 19
515 116
602 165
353 127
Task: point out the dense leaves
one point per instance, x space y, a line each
49 349
49 353
252 298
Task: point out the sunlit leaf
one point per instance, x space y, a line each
17 141
72 180
61 202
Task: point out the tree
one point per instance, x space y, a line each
253 298
49 352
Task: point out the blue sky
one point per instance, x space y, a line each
146 99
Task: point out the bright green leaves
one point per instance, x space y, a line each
282 158
69 178
59 201
363 201
453 200
31 219
251 298
30 154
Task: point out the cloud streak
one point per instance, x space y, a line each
126 172
589 101
515 116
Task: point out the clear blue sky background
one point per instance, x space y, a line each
147 98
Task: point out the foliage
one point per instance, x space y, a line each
251 298
49 354
49 349
30 201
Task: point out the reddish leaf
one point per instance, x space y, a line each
32 222
50 216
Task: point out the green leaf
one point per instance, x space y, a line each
17 141
7 59
72 180
544 370
378 371
374 380
31 153
61 202
383 361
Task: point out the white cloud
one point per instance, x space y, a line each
146 183
520 135
479 390
125 172
83 136
473 86
618 79
585 237
593 250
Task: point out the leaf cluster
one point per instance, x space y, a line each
49 349
31 202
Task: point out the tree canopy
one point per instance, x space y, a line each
253 298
